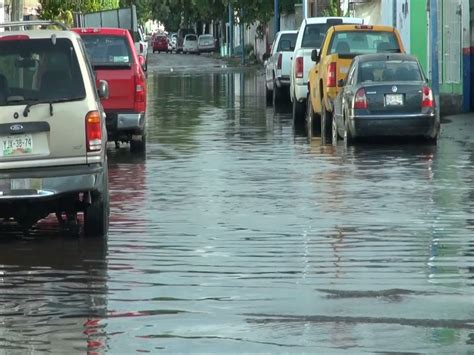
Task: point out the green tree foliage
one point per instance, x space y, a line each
62 9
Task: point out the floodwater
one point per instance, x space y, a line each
238 234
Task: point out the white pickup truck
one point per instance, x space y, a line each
141 46
278 65
310 36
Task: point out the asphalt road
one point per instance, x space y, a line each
236 233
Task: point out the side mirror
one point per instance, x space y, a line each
315 55
265 56
141 61
341 83
103 90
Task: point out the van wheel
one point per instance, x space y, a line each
96 215
138 146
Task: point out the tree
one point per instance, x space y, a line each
62 10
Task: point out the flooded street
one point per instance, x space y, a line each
238 234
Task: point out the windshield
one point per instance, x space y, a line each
389 70
39 70
107 50
364 42
314 34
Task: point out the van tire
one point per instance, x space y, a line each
96 215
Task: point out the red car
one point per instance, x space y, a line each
114 59
160 43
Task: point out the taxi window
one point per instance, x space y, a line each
364 42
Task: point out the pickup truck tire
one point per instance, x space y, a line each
313 120
138 146
268 95
277 96
326 124
96 215
298 110
335 134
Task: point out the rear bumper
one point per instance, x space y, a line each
124 122
283 81
49 183
301 92
207 49
414 125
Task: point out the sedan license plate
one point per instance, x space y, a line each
393 100
16 145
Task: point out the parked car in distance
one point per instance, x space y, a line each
141 46
182 32
190 44
341 44
52 130
115 60
160 43
385 95
173 41
310 36
278 66
206 43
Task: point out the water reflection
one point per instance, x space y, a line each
238 232
53 295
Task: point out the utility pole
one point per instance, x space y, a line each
231 30
276 16
434 50
242 35
17 10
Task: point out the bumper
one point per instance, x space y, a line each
160 48
125 122
207 49
301 92
394 126
283 81
48 183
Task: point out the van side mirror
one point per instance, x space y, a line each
103 90
341 83
315 55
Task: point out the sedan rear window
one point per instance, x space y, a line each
393 70
364 42
106 50
39 70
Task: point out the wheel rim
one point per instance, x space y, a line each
334 131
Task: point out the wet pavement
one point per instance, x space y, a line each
238 234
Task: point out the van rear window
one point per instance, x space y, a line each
107 50
39 70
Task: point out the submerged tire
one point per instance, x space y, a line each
138 146
96 215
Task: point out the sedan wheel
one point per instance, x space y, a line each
335 135
326 125
348 140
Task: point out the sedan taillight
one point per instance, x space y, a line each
93 131
427 97
360 100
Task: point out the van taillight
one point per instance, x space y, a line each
299 67
140 93
331 79
360 100
93 131
280 59
427 97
